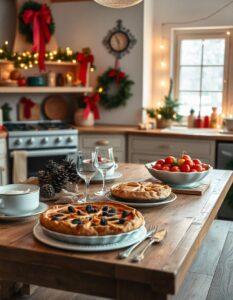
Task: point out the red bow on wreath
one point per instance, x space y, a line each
41 34
28 105
91 105
84 59
117 74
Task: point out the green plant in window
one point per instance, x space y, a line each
169 110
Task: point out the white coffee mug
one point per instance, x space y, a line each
18 199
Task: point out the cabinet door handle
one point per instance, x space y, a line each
102 143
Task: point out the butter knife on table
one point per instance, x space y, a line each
127 252
156 238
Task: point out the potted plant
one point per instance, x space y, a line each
166 114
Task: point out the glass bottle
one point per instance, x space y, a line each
214 118
191 119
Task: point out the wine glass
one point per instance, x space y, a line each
86 170
104 161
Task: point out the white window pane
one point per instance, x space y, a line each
188 101
214 52
190 78
209 100
190 52
212 79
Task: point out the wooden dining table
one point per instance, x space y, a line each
159 276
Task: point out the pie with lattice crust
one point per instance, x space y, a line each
141 191
91 219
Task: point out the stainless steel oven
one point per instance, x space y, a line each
41 142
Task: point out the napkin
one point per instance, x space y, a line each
19 166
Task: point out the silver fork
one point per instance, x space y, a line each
150 231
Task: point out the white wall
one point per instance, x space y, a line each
176 12
85 24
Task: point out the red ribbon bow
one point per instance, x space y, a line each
91 105
84 59
40 20
117 74
28 105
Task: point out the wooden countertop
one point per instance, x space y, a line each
189 133
187 220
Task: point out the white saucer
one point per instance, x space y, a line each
40 209
134 203
42 237
114 176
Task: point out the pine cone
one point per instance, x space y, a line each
44 177
51 166
47 191
60 179
70 168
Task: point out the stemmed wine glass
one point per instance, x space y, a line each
86 169
104 161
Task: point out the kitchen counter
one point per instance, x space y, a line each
179 132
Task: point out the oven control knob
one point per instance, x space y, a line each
18 142
70 139
44 141
30 141
58 140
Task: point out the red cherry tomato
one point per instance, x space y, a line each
157 167
185 156
189 162
198 167
165 168
197 161
170 160
205 166
175 169
185 168
160 161
167 165
193 170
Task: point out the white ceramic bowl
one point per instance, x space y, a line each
17 199
181 179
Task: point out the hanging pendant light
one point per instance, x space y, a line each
118 3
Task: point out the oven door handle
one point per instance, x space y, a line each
43 153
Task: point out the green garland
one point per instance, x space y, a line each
27 29
121 82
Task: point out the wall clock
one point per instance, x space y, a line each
119 40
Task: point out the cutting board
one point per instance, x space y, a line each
35 112
55 108
200 190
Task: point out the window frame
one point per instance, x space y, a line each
192 34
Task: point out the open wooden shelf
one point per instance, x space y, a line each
45 89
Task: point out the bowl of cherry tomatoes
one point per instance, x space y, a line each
182 171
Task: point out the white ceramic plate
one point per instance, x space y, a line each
42 237
40 209
134 203
90 240
114 176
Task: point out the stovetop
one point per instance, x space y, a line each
36 126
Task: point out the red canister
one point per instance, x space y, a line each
206 122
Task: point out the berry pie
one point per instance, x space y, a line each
92 219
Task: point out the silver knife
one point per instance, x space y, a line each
127 252
156 238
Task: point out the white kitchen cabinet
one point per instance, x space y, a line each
3 162
142 149
117 141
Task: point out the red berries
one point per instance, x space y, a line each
183 164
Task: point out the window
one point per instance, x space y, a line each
200 71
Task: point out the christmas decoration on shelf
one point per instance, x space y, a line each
166 113
28 59
114 79
84 59
90 104
37 24
28 105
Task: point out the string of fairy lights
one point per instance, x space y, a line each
27 59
